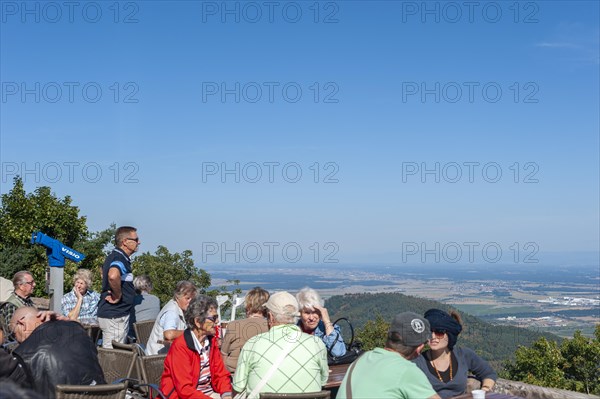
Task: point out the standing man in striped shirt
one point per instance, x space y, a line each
118 292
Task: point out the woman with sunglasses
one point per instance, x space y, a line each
447 367
170 322
194 368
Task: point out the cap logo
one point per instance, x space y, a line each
417 325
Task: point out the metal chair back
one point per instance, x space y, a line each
116 363
142 331
152 368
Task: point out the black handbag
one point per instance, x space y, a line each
353 349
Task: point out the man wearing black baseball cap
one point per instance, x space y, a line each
388 372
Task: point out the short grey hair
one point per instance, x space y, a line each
198 310
143 283
122 233
283 318
184 288
308 298
85 275
19 278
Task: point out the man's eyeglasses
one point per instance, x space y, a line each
31 283
136 239
438 333
213 318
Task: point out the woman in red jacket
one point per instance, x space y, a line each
194 367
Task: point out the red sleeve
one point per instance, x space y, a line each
221 377
182 369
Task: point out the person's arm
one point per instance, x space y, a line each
74 313
482 369
172 325
170 335
488 384
324 365
436 396
325 319
240 377
8 309
335 342
333 336
114 282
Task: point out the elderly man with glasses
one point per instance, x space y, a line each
118 292
24 285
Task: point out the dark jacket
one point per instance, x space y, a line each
12 369
60 352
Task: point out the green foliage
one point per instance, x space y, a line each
374 333
574 365
166 269
539 365
494 343
14 259
582 362
95 247
21 214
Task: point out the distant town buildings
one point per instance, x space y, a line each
570 301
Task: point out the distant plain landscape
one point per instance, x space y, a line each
556 299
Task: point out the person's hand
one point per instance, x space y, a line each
77 293
324 314
47 315
111 299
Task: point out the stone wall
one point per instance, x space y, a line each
529 391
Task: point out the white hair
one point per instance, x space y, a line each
308 298
284 318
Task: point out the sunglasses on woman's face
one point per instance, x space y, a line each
438 333
213 318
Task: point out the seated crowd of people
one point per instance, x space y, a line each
281 346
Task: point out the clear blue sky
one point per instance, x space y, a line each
370 126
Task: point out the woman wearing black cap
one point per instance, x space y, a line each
447 367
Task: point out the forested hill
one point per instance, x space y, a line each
492 342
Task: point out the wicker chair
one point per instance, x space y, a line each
94 332
136 374
129 347
108 391
152 368
308 395
142 331
116 363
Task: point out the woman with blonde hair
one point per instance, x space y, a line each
81 303
240 331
